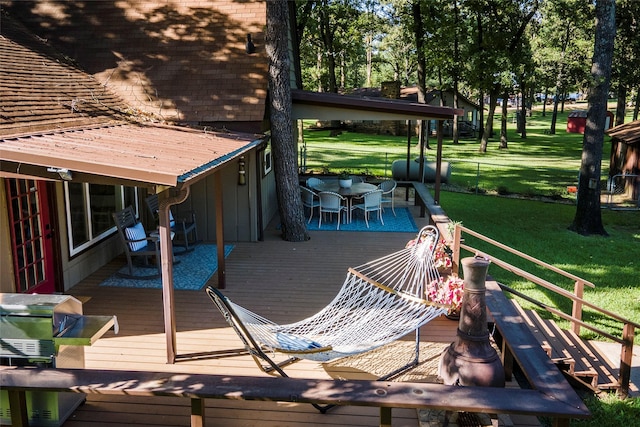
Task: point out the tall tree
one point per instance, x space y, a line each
588 218
422 65
282 142
499 48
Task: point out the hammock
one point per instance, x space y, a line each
379 302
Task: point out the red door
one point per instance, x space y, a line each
31 236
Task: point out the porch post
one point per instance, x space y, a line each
222 281
165 201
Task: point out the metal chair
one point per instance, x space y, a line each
330 203
183 227
309 200
136 243
388 188
313 183
372 202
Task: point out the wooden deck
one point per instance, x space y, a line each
283 281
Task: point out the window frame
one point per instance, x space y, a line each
92 238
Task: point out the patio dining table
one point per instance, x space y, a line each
356 190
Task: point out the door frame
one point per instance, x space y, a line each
43 211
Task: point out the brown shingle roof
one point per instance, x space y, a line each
181 60
628 133
40 90
54 116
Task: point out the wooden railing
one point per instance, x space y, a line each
578 302
558 404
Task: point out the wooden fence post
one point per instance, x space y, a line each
455 247
576 311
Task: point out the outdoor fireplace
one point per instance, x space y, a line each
471 360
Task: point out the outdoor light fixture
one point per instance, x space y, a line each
242 179
64 174
249 46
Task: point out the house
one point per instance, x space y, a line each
106 109
577 121
624 163
105 104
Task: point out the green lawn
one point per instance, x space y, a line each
540 165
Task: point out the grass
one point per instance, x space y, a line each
540 229
538 167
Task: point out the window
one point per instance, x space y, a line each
88 211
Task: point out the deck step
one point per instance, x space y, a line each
574 356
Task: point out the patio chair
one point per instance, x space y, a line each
379 302
313 183
331 203
372 202
388 188
309 200
183 228
137 244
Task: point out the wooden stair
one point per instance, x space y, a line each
578 359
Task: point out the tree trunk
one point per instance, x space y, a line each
523 115
488 129
327 34
588 218
282 142
503 122
423 139
621 105
481 115
456 61
560 79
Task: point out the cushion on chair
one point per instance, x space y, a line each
172 222
136 233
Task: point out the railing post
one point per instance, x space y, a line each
626 355
576 311
455 248
197 412
385 417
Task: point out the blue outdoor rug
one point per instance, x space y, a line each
191 273
402 222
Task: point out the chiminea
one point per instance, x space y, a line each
471 360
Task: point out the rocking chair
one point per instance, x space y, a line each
183 228
136 243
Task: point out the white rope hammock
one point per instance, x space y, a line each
379 302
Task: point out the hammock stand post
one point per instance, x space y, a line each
379 302
251 346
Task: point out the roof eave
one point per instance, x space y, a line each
330 106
